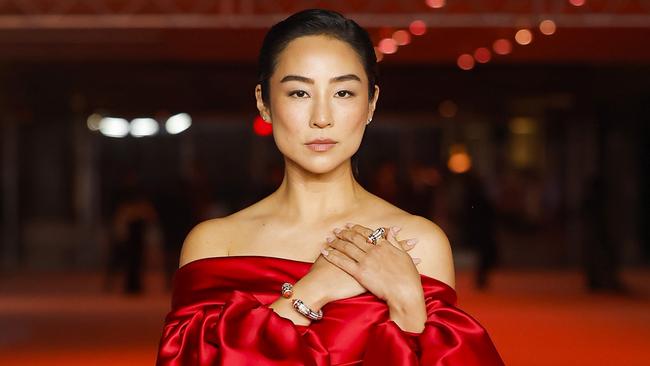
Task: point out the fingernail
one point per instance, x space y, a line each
329 239
395 229
412 242
337 230
417 260
325 252
349 225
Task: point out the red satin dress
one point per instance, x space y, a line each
220 316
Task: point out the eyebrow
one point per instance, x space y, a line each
311 81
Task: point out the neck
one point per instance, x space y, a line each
313 198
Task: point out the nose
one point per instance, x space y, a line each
321 115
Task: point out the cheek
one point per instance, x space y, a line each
351 118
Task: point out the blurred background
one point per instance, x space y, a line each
520 127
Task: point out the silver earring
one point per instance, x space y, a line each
369 120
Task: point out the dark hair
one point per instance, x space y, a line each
315 22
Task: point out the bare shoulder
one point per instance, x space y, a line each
433 248
215 237
207 239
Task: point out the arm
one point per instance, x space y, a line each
447 335
408 310
211 326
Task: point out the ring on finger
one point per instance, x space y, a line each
378 233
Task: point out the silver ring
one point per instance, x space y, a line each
378 233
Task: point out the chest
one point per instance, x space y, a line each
303 244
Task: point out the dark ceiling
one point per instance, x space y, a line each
231 31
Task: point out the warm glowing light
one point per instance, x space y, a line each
547 27
93 121
523 37
459 160
114 127
482 55
388 46
378 54
417 28
465 61
178 123
522 126
261 127
502 46
436 4
402 37
577 2
143 127
448 108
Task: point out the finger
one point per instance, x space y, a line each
353 236
391 237
417 261
408 244
365 232
350 249
362 230
340 260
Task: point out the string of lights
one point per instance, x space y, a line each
467 61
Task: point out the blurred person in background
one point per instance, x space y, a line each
314 273
133 215
481 228
176 219
600 255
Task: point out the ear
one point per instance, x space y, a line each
261 107
373 103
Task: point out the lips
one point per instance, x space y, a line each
321 144
321 141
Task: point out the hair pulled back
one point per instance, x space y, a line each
315 22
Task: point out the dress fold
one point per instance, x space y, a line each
220 316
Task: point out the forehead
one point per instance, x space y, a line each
318 57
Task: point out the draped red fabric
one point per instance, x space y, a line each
220 316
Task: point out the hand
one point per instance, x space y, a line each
323 283
385 269
332 282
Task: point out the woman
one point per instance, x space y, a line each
285 280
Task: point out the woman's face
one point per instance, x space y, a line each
319 90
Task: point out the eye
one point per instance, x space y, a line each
298 93
339 93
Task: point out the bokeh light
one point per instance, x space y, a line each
402 37
417 28
178 123
93 121
547 27
387 46
114 127
459 160
502 46
141 127
436 4
465 61
482 55
524 37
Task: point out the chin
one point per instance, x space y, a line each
320 165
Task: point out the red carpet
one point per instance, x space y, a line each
535 318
